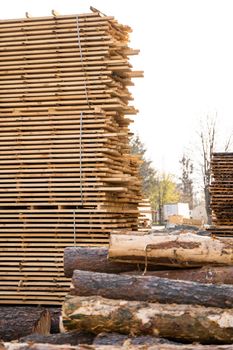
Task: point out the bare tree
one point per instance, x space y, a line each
228 143
186 186
208 138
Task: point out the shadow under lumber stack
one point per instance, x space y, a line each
221 191
66 173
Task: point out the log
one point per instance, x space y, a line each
72 338
55 313
208 274
91 259
121 339
179 322
19 321
150 288
41 346
175 250
30 346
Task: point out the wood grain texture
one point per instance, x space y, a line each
171 250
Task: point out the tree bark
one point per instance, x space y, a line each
55 313
150 288
72 338
19 321
91 259
121 339
179 322
172 250
209 274
30 346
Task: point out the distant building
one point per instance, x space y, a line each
176 209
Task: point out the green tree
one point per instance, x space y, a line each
146 170
165 191
159 188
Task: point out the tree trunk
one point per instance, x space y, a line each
209 274
31 346
150 288
72 338
19 321
173 250
207 204
180 322
91 259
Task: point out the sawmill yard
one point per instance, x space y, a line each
80 266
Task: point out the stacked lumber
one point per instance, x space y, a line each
145 214
221 190
66 173
154 303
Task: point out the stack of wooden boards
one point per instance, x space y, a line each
221 190
182 306
66 173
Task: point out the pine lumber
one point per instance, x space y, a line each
150 288
171 250
221 190
20 321
186 322
207 274
67 176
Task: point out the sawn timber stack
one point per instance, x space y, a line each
66 173
221 190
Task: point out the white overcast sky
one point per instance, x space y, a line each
187 57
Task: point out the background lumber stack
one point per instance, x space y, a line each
222 194
66 173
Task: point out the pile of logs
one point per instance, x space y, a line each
66 173
21 321
133 288
221 190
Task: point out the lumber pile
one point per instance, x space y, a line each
192 304
66 173
221 190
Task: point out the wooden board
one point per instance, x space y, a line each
66 173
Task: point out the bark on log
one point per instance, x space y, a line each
19 321
91 259
121 339
179 322
72 338
182 250
209 274
30 346
150 288
55 313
